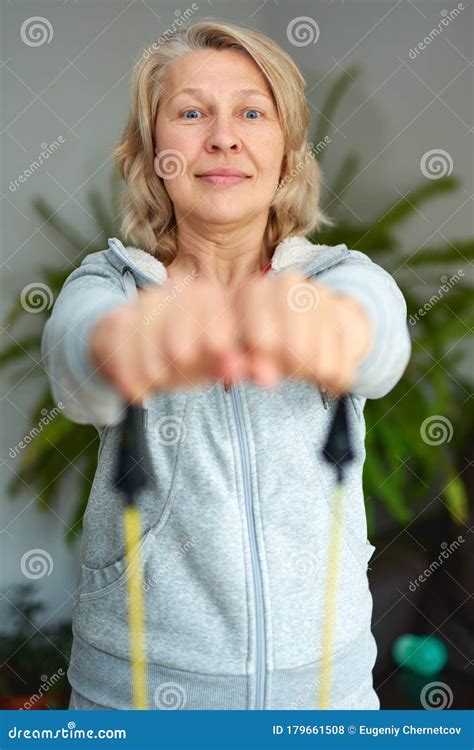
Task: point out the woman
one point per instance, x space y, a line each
238 372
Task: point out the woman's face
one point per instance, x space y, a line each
218 126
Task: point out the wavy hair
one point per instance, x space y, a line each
147 210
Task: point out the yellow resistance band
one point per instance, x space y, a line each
136 618
330 604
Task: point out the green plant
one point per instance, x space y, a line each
400 466
60 444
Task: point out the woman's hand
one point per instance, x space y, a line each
166 338
292 327
274 327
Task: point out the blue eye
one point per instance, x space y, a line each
188 111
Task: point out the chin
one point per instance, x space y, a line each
223 212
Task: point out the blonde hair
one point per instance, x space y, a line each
148 214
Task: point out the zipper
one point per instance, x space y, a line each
260 646
322 390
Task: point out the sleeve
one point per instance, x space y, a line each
376 290
82 392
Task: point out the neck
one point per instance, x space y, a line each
226 258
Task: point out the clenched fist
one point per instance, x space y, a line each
165 339
273 327
293 327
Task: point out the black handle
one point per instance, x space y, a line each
337 449
131 474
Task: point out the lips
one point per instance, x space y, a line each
223 178
223 172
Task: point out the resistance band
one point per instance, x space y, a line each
131 477
337 451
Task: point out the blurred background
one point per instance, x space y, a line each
390 90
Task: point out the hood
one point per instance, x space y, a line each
293 252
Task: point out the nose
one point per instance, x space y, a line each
222 136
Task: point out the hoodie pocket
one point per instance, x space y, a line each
103 563
98 582
194 583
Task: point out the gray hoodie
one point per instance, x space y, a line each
236 516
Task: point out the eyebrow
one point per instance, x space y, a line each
239 92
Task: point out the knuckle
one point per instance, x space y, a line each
326 373
126 387
266 339
216 342
172 347
299 341
150 371
290 356
186 353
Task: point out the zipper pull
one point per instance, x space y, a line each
324 397
226 385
